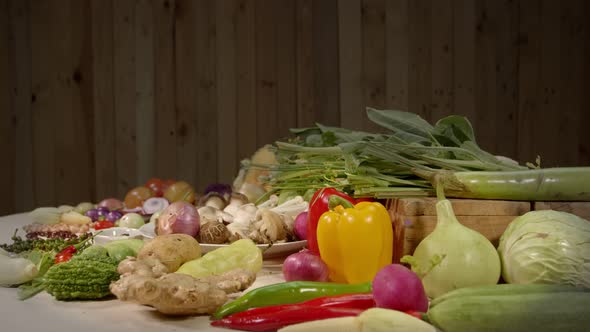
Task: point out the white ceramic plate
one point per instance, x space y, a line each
276 250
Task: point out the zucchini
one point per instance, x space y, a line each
506 289
540 312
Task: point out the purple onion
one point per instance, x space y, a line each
222 189
92 214
102 211
111 204
304 265
113 216
179 218
300 226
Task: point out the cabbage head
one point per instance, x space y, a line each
546 247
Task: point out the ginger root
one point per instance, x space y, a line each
149 283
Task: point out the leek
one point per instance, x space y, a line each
545 184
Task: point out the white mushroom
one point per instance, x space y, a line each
210 213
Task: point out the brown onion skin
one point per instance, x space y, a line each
179 218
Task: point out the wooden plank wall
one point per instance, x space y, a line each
96 96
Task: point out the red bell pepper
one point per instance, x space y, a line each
317 206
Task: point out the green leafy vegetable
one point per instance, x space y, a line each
381 165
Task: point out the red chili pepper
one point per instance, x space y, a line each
318 205
353 301
65 255
271 318
274 320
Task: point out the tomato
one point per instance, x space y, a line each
136 196
156 185
167 183
103 224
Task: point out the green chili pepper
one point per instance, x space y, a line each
288 293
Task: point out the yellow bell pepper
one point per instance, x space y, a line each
355 241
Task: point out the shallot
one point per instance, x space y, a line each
304 265
300 227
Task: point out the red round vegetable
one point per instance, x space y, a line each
304 265
399 288
179 218
300 226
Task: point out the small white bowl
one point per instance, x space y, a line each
116 233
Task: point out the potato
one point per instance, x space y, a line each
172 250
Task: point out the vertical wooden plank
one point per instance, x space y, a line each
164 89
485 88
506 66
351 63
584 119
528 79
7 124
572 82
72 131
43 108
442 59
227 154
20 56
464 58
145 115
62 97
79 162
266 71
304 49
103 99
397 49
374 68
186 91
124 93
326 63
419 97
206 109
286 68
550 109
246 81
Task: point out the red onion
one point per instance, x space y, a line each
111 204
398 288
180 217
300 226
304 265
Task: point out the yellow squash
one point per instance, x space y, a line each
355 241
